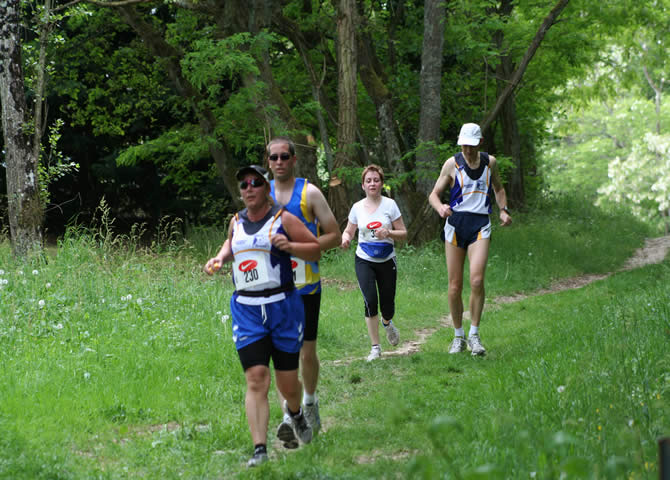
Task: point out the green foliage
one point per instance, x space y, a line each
53 165
641 180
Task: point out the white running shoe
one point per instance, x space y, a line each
475 345
458 345
311 412
392 334
375 353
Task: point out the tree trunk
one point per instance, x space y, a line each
428 163
347 114
508 121
26 212
374 79
530 52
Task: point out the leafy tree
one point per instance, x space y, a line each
641 180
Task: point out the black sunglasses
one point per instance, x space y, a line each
254 182
284 157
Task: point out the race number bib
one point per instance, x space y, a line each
249 273
299 271
370 230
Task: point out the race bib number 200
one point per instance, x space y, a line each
250 273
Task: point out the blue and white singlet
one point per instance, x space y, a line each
261 272
472 189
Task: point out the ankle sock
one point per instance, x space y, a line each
308 398
459 332
473 330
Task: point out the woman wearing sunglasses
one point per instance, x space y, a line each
267 311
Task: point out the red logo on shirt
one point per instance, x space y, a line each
247 265
373 225
294 264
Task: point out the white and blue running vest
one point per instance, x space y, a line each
258 267
472 189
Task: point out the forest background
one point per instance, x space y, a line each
154 105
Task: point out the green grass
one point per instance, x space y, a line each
117 362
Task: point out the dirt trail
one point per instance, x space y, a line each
653 251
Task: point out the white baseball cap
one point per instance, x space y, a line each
470 134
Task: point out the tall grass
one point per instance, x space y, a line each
117 362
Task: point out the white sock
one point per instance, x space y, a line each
459 332
308 399
473 330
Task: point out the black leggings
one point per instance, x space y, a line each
373 276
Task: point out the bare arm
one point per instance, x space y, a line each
331 237
303 243
444 181
348 234
225 253
499 191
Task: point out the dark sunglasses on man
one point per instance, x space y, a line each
283 156
254 182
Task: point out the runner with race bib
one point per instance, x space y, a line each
379 225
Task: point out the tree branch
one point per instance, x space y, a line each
518 74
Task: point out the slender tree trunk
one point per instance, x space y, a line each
530 52
428 163
507 116
374 79
347 115
26 212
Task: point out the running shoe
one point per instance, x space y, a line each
300 426
286 434
257 459
392 334
475 345
375 353
311 412
458 345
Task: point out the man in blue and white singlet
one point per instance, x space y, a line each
379 225
304 200
473 179
268 314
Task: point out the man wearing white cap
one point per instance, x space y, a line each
472 177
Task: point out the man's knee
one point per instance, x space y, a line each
477 283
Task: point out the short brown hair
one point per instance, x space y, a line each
372 168
286 140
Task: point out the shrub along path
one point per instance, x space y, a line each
653 251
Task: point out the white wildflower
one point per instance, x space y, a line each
48 285
561 389
58 326
36 272
41 303
2 272
87 375
224 318
139 301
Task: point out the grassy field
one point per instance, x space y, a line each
117 362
